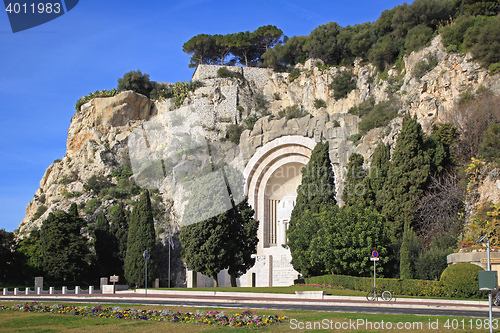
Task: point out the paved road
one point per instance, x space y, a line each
427 307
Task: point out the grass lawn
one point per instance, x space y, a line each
11 321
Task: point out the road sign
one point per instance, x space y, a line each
374 259
375 254
113 278
146 255
492 261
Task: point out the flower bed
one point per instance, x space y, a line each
245 319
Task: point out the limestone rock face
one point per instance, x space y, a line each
98 116
100 133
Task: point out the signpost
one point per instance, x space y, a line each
487 280
146 256
113 279
374 258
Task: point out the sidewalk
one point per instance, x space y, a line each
312 298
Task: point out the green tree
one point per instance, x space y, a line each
409 252
201 48
354 187
141 237
136 81
379 169
7 268
106 248
407 176
243 235
489 149
323 43
218 229
30 253
64 247
346 239
266 37
343 83
119 230
316 191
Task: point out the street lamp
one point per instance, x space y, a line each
487 280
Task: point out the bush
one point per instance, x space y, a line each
342 84
494 68
261 102
424 66
319 103
223 72
461 280
373 116
91 206
136 81
408 287
102 93
291 112
39 212
96 184
233 133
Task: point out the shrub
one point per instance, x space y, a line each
276 96
91 206
233 133
355 138
373 116
39 212
319 103
223 72
294 73
136 81
342 84
96 184
461 280
250 121
261 102
424 66
494 68
291 112
102 93
336 123
409 287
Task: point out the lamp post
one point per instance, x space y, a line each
488 268
146 256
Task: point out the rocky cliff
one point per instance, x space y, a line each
131 131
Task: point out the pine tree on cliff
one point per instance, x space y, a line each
141 237
317 190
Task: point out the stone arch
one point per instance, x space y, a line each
276 163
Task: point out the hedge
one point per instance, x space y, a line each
396 286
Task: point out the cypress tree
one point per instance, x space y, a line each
316 190
119 231
244 240
378 175
354 187
141 237
105 248
407 177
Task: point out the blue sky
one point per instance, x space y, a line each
46 69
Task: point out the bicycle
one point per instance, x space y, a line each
372 295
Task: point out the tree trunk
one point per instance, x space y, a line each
233 280
216 283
